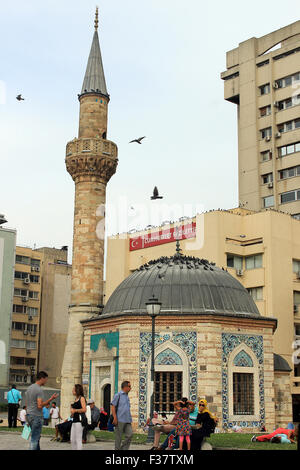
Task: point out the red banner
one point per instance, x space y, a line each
180 232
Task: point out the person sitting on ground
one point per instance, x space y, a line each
205 425
282 439
290 433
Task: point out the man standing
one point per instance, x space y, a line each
92 418
120 408
35 403
55 415
13 398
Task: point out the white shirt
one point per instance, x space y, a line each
23 415
54 412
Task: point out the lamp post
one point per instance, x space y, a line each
153 309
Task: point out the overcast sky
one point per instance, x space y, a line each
162 61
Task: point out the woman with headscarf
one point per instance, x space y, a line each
103 419
205 422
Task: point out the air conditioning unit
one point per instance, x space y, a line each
270 185
28 351
276 104
24 299
239 272
32 333
275 85
278 135
268 138
37 268
30 317
25 332
26 280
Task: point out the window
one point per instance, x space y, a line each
243 394
254 261
35 262
265 111
32 311
256 293
267 178
19 308
234 261
167 389
289 126
288 149
296 297
18 343
33 295
290 196
290 172
265 89
267 132
268 201
296 266
267 155
34 278
20 292
22 259
30 344
21 275
296 216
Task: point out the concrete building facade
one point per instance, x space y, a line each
39 314
7 258
263 79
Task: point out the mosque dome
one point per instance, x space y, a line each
183 285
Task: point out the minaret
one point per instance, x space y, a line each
91 160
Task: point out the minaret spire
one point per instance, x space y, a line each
94 79
96 19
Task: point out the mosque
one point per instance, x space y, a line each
210 339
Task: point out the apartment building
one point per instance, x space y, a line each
39 313
25 315
261 249
263 80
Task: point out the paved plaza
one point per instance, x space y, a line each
14 441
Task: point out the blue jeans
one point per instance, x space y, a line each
36 424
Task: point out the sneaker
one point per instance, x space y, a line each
253 438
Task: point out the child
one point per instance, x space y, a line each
183 428
22 418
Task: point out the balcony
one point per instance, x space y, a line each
92 146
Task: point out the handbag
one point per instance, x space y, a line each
83 419
26 431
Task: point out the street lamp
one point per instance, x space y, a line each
153 309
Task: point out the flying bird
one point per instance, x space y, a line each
138 141
155 194
19 98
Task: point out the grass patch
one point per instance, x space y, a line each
243 441
218 441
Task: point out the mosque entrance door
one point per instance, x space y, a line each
107 398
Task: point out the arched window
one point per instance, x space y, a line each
243 384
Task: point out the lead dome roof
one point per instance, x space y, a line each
183 285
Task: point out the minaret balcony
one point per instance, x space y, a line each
91 156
